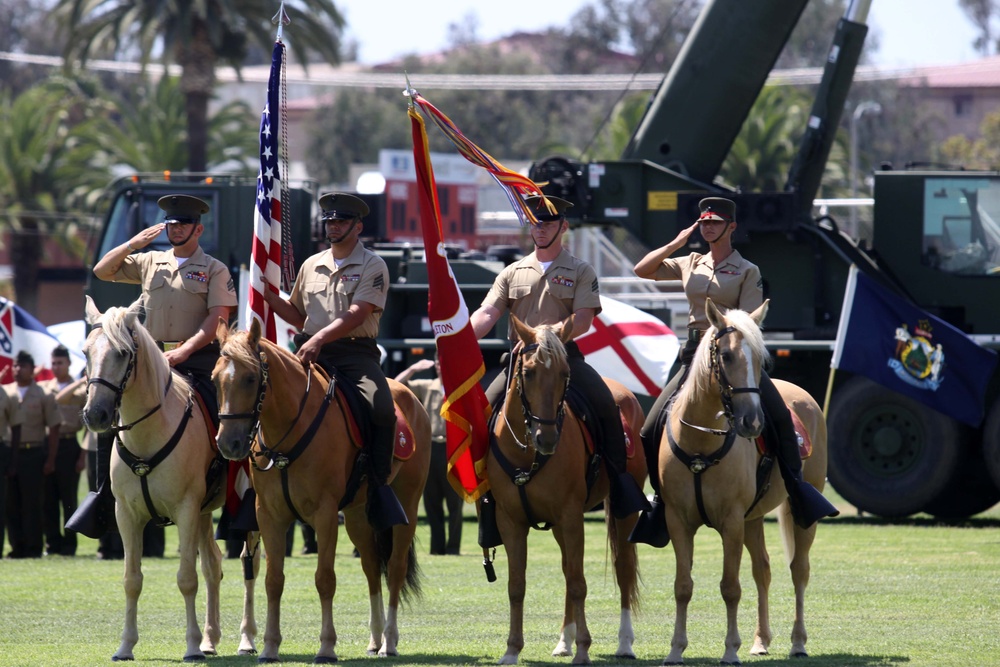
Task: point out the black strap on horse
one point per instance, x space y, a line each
142 467
699 463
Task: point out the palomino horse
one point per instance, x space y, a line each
708 474
540 473
160 466
302 461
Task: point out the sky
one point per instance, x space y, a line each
911 32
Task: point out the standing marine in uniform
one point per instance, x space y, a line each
35 460
63 485
337 302
732 282
10 440
185 292
546 287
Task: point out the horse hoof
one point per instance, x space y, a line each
267 661
324 660
625 656
734 663
116 658
799 654
195 657
247 651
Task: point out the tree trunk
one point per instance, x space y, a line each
26 254
197 60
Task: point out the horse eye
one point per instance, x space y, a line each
727 357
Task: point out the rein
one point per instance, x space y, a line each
529 416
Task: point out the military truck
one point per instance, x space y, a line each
935 242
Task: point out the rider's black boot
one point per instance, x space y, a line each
96 513
651 528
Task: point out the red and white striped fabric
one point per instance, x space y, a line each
265 265
630 346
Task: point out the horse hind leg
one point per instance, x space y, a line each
626 563
760 562
211 570
800 568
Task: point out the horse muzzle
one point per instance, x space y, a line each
232 443
97 418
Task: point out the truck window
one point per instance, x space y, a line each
131 213
962 225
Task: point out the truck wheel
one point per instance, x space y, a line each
991 442
970 491
889 455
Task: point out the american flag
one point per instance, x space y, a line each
265 265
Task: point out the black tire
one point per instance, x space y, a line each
888 454
991 442
970 491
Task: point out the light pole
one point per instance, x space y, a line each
859 111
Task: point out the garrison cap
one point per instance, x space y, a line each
717 208
182 208
542 213
341 206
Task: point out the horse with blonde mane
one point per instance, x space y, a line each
164 467
305 465
543 474
709 467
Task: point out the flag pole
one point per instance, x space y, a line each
281 19
829 393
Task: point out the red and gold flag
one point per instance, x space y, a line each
465 410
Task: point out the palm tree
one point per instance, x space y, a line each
47 136
197 35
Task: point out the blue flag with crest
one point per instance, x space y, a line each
911 352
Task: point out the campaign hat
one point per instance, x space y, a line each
542 212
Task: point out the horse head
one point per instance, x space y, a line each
542 376
240 377
111 361
736 354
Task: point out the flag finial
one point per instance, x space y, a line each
410 92
281 19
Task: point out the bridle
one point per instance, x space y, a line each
529 416
119 389
254 415
726 388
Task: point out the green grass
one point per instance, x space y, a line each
916 593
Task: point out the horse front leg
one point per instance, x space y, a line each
729 586
248 626
800 579
569 535
186 516
325 523
363 538
760 562
211 570
274 534
515 541
682 537
130 527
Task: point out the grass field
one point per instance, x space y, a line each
914 593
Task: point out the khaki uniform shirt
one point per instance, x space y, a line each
69 408
39 412
323 291
734 283
10 411
430 393
178 299
538 298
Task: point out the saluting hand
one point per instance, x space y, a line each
685 234
146 236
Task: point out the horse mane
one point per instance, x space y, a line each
149 359
550 346
700 374
238 349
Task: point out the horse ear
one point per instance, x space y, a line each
761 312
133 311
524 332
715 316
566 332
254 331
222 331
91 313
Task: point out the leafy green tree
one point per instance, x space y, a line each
47 136
983 152
198 35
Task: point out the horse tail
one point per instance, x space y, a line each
629 559
786 525
412 585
